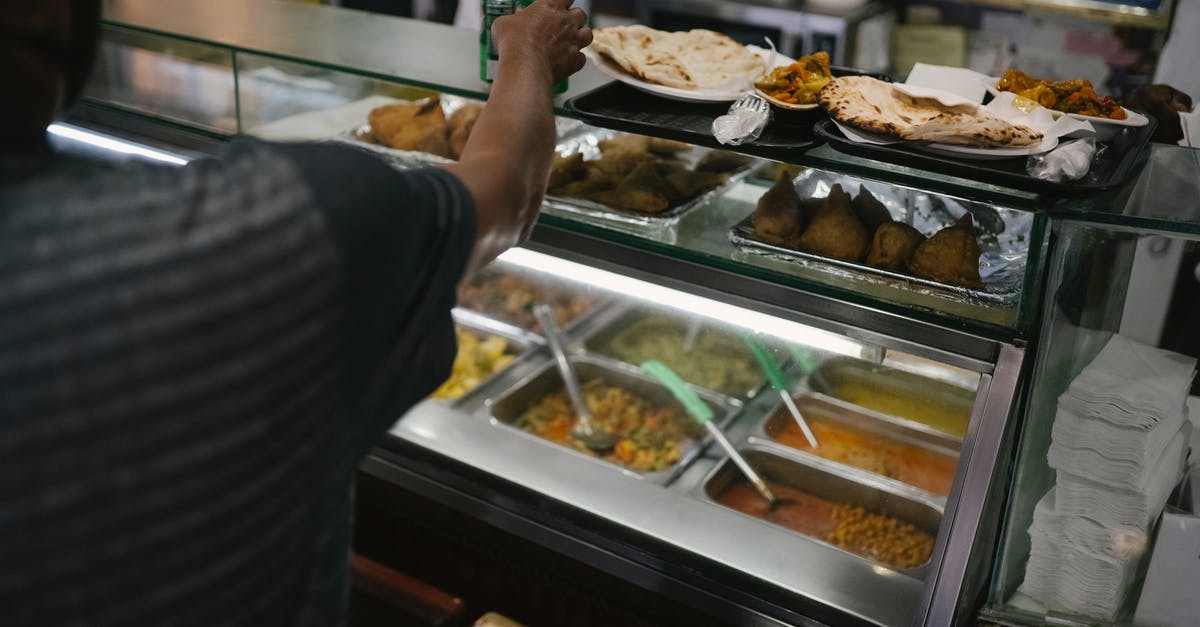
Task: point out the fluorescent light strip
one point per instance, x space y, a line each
113 144
692 304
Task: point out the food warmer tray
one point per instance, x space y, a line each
506 408
854 418
586 140
522 345
1110 168
831 482
621 107
1003 236
605 328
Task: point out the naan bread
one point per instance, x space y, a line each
697 59
877 107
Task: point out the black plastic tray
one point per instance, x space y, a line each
623 108
1109 170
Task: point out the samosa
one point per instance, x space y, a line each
950 256
893 245
869 210
643 190
778 218
835 231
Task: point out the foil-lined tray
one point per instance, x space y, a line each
586 140
407 159
1003 235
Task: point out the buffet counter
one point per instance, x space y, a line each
931 395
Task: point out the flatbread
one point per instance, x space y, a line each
877 107
696 59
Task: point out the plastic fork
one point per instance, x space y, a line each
750 102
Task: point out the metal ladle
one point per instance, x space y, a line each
591 435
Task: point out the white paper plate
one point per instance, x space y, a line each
951 150
736 89
969 152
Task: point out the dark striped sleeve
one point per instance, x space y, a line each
179 351
404 238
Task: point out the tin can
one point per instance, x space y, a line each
488 56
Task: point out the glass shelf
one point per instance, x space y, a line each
251 65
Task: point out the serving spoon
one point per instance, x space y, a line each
703 414
591 435
776 378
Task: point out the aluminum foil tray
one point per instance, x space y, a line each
1003 236
407 159
587 140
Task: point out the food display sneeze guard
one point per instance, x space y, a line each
656 504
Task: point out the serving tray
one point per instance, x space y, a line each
1110 168
586 141
1003 236
621 107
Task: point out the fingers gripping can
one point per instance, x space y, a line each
488 56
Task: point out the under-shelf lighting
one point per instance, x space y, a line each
691 304
113 144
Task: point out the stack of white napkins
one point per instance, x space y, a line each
1118 445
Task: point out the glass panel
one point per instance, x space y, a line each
720 232
284 100
1106 432
347 62
1165 195
859 514
175 80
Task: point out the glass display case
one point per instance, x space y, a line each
920 393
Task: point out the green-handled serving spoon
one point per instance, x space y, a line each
703 414
777 380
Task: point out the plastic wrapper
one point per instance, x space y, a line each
1069 162
742 124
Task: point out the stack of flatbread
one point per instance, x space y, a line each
877 107
697 59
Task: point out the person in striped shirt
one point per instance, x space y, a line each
194 360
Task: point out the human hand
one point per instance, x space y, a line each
548 33
1163 103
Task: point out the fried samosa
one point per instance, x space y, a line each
869 210
893 245
687 184
950 256
418 126
834 230
583 188
778 218
461 123
567 170
722 161
643 190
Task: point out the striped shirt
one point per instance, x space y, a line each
193 362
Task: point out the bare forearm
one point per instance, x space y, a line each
506 162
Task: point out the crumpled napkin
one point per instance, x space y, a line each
1190 123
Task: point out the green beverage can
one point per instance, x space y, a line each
488 57
560 86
